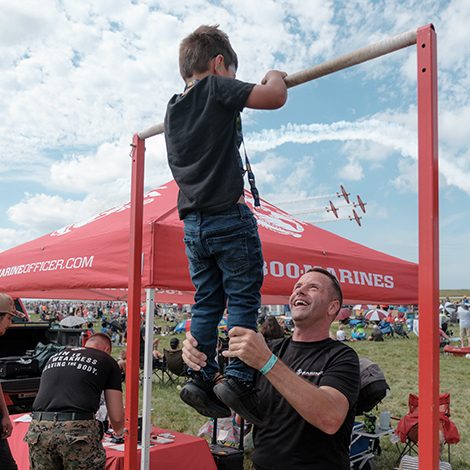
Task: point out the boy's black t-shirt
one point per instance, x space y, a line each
284 439
74 378
201 137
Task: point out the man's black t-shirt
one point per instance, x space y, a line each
201 138
73 380
284 439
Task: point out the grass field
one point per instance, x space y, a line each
398 359
454 294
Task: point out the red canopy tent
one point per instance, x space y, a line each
89 259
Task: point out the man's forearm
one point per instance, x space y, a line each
115 409
117 425
3 405
6 426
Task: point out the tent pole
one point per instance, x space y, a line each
326 68
148 369
133 321
428 250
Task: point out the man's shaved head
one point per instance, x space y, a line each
99 341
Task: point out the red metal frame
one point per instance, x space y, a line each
428 250
428 265
135 283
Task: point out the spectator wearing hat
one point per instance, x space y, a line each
175 344
7 311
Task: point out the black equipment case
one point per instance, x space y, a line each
226 457
16 367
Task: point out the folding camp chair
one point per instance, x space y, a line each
159 372
174 365
400 331
412 463
386 328
407 428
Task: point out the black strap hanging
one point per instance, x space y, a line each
248 171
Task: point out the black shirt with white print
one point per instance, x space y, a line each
73 379
284 439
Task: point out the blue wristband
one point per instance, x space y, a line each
269 365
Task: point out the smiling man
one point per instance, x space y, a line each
7 462
308 383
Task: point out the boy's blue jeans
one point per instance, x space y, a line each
225 263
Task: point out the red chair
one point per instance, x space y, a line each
407 428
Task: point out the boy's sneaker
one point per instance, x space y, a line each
198 393
241 397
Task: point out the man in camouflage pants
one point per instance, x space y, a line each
63 433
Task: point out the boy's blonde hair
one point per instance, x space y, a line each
201 46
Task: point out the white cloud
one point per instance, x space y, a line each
352 171
87 173
452 33
104 177
302 173
21 21
408 179
456 172
268 170
10 237
41 211
387 134
454 126
373 152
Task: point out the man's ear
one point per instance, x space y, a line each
333 307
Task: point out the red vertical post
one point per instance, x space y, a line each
428 250
133 320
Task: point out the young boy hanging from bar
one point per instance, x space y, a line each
203 136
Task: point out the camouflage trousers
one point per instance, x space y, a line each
65 445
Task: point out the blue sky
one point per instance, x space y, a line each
80 78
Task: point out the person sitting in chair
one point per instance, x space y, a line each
156 353
376 334
156 362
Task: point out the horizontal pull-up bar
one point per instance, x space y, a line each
343 62
353 58
151 131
